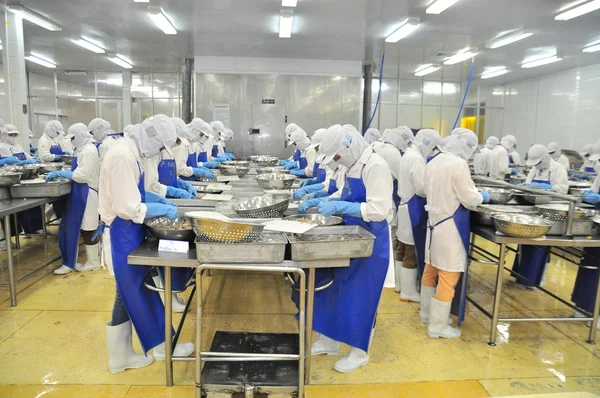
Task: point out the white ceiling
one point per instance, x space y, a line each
323 29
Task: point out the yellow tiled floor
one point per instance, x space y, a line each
53 343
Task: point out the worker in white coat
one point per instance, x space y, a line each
10 147
81 215
212 146
481 162
316 169
555 152
200 133
185 155
306 165
412 217
450 194
345 312
301 142
49 145
372 135
289 130
123 206
498 161
509 142
588 166
103 134
546 173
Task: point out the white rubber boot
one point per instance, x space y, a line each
181 350
426 294
409 286
63 270
357 358
93 259
398 273
438 321
120 350
177 304
325 346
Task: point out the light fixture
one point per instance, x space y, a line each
141 1
158 16
289 3
439 6
508 39
89 45
426 69
590 48
541 61
578 11
120 60
40 61
34 17
494 72
286 20
460 56
407 27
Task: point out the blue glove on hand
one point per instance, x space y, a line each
151 197
485 196
592 198
307 204
173 192
542 185
229 155
59 174
298 173
282 162
203 172
220 159
514 171
315 195
291 165
32 149
309 181
56 158
306 190
9 160
159 209
210 165
330 208
28 161
188 187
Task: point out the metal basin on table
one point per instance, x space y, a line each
498 196
319 219
9 178
165 228
265 206
521 226
275 181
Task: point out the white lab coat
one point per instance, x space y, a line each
44 145
516 158
208 146
589 163
182 152
106 145
87 172
498 163
311 157
556 174
562 159
596 185
66 144
480 164
392 157
150 166
411 181
7 150
447 185
220 148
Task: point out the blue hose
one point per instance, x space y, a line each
466 92
378 94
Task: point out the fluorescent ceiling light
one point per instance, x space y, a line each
460 56
286 20
494 72
508 39
407 27
289 3
590 48
34 17
578 11
426 69
89 45
141 1
120 60
439 6
40 61
541 61
158 16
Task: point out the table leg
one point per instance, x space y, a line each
44 229
199 303
11 271
168 327
497 294
17 239
309 321
302 338
593 328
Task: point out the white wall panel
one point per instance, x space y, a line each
520 113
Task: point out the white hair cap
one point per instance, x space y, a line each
401 137
462 142
198 126
509 142
80 134
492 142
595 152
554 150
536 154
218 128
99 129
427 140
344 141
372 135
318 136
53 129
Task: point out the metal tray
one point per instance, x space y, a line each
359 246
4 193
580 228
43 190
269 248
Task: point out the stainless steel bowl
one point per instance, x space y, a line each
165 228
576 187
28 170
560 212
498 196
272 170
49 167
234 170
66 159
275 181
223 231
266 206
532 199
483 214
318 219
9 178
518 179
521 226
266 161
237 163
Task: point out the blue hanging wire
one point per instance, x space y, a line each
466 92
378 93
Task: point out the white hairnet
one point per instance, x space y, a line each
401 137
127 128
229 134
317 137
80 135
11 127
509 142
290 128
536 154
595 155
427 140
199 127
181 128
348 143
4 135
218 128
587 150
462 142
53 129
372 135
492 142
99 129
153 134
297 135
554 150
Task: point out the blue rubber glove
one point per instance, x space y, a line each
67 153
309 181
230 155
173 192
59 174
203 172
592 198
28 161
298 173
159 210
291 165
210 165
306 190
586 192
151 197
542 185
188 187
220 159
514 171
8 160
56 158
485 196
282 162
315 195
330 208
32 149
307 204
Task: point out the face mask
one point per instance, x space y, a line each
544 163
11 140
346 159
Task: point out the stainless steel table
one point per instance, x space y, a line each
489 233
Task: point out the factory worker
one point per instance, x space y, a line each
306 165
291 128
123 206
546 173
594 158
81 213
509 142
301 142
450 194
412 217
372 135
481 162
555 152
49 145
201 133
345 312
103 134
588 166
318 169
185 155
10 147
228 137
498 161
212 147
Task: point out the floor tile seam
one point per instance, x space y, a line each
22 326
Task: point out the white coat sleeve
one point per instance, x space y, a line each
66 145
181 153
88 163
220 149
516 158
44 154
128 203
378 183
464 187
596 184
5 151
151 183
560 180
311 157
416 173
562 159
531 175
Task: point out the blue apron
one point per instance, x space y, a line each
297 154
202 157
510 160
215 151
97 144
145 308
167 172
303 163
70 224
59 205
590 170
418 222
332 188
191 162
321 174
20 155
56 150
346 310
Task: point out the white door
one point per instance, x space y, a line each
267 134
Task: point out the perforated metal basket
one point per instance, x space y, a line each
266 206
275 181
521 226
237 163
560 212
212 230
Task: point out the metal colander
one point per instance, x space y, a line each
521 226
213 230
275 181
560 212
266 206
234 171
